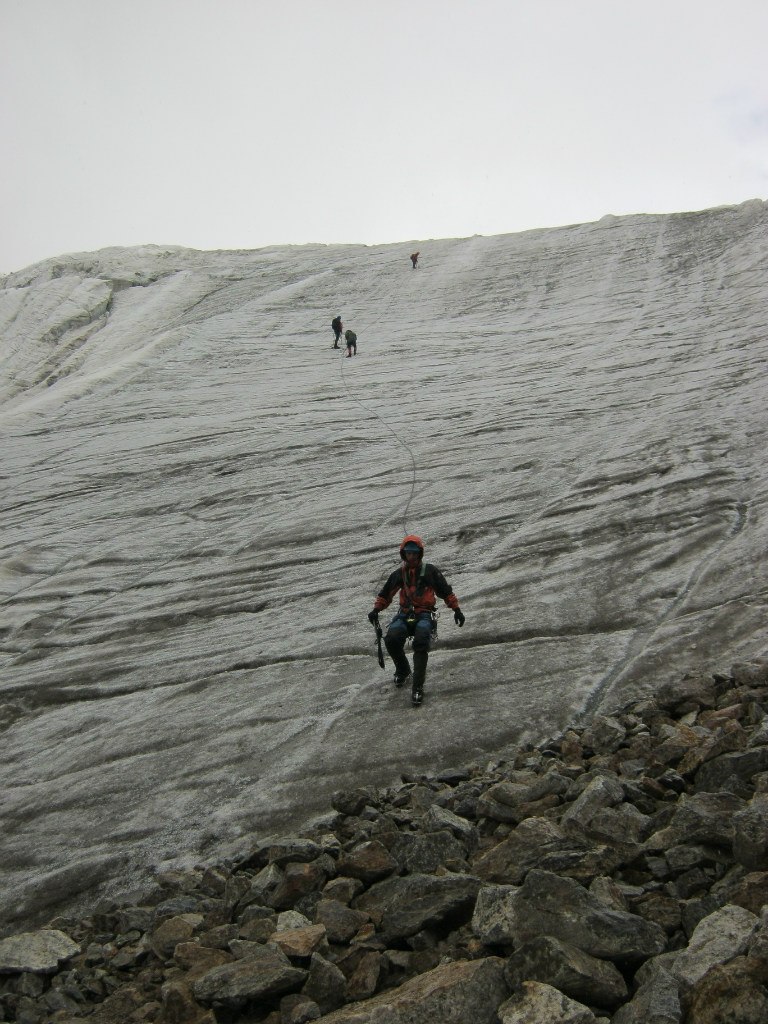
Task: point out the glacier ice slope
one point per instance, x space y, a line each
200 498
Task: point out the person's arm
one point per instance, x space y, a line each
443 589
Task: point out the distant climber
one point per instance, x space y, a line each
419 583
351 339
414 259
338 327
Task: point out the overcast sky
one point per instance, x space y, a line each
244 123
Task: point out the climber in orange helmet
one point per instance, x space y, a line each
419 583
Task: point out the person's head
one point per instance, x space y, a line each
412 550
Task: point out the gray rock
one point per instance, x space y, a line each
291 919
547 904
344 889
298 1009
341 922
454 993
688 693
733 992
518 798
493 920
264 885
701 818
404 906
603 791
264 972
604 735
537 1003
292 848
438 819
575 973
39 952
298 881
750 673
370 861
732 772
325 984
750 834
425 853
716 939
541 843
351 801
172 931
655 1002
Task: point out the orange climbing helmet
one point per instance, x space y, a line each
412 543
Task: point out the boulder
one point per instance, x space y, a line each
172 931
370 862
717 939
364 978
732 772
547 904
263 886
325 984
453 993
299 879
525 795
603 791
264 972
40 952
344 889
750 673
564 967
493 920
656 1002
736 991
688 693
340 922
404 906
350 801
700 818
438 819
750 834
301 942
180 1007
425 853
298 1009
541 843
604 734
537 1003
751 892
196 960
293 848
290 919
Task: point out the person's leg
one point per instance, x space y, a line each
421 639
394 641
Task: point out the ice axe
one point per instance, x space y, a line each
379 635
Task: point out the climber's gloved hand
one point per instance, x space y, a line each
458 617
373 617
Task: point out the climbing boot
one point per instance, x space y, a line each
401 677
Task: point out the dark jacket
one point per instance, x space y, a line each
418 589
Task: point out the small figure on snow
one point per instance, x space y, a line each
351 340
338 327
419 584
414 259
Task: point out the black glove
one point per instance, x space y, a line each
458 617
373 617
